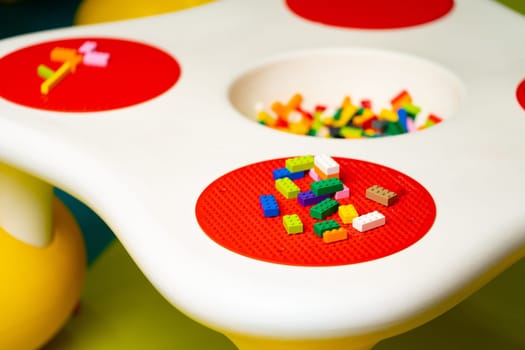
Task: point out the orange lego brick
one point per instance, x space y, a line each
339 234
323 176
402 98
62 54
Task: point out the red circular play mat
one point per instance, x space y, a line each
136 72
371 14
520 94
229 212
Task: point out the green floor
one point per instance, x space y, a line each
121 310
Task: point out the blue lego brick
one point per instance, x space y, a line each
402 115
269 205
283 172
309 198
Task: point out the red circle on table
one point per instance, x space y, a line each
228 211
371 14
520 94
135 73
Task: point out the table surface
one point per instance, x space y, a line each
226 344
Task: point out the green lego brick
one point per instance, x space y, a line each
292 223
302 163
44 71
337 114
351 132
429 123
394 129
287 187
327 186
412 110
321 227
324 209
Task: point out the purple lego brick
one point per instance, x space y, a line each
309 198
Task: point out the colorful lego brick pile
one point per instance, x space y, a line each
229 212
348 120
325 190
70 58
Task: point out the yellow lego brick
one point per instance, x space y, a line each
388 115
302 163
347 213
300 128
361 119
292 224
346 114
266 118
287 187
60 74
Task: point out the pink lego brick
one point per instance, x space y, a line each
411 126
344 193
87 46
96 59
312 173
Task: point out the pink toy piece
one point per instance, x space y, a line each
344 193
96 59
87 46
313 174
411 126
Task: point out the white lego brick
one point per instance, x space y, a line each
326 164
368 221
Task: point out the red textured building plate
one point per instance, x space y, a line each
371 14
229 212
520 94
136 73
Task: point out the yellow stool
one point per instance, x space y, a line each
97 11
40 287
